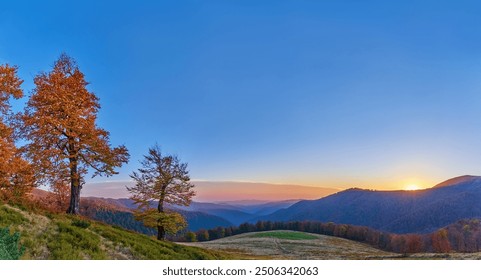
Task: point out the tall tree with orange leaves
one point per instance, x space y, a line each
60 124
16 177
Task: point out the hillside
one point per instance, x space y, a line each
68 237
293 245
419 211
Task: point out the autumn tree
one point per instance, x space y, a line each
162 180
60 124
58 197
16 176
190 237
203 235
414 243
440 241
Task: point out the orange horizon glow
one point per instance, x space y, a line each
412 187
238 190
385 183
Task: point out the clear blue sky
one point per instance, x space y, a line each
323 93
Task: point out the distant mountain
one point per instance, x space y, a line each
198 214
236 217
264 208
238 212
195 220
419 211
119 212
466 180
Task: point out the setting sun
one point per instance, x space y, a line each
412 187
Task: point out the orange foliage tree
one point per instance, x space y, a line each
16 176
60 124
414 243
58 197
440 241
163 179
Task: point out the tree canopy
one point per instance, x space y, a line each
16 177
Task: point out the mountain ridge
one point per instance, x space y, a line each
459 180
417 211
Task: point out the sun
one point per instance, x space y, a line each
412 187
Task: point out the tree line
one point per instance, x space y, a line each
463 236
62 143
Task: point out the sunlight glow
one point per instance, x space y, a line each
412 187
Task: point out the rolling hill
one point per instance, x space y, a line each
419 211
294 245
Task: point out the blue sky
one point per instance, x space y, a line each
324 93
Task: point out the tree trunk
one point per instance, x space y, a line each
74 207
160 227
160 233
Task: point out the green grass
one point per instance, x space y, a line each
10 217
66 237
145 247
9 247
290 235
73 243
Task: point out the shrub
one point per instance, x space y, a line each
190 237
74 243
10 249
81 223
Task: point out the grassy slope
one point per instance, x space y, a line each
289 235
57 237
294 245
308 246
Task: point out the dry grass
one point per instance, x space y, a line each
34 228
274 245
320 248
